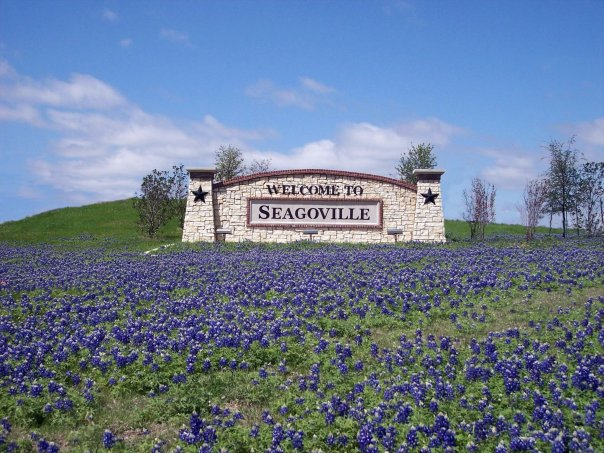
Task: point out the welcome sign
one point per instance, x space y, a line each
338 206
365 213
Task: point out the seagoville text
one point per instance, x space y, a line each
322 213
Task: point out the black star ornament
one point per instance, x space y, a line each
200 194
429 197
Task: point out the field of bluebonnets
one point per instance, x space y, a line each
472 347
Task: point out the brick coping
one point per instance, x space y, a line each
313 171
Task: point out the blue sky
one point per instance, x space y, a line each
94 95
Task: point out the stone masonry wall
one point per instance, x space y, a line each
226 206
429 220
199 216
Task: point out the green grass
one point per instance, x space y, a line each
459 230
116 221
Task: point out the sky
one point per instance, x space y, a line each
94 95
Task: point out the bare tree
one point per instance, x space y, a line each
480 207
229 163
258 166
533 206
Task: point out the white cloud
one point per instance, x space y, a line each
174 36
6 70
432 130
106 155
510 170
80 91
307 95
266 90
110 16
29 192
363 147
104 147
592 132
314 86
105 144
20 112
589 137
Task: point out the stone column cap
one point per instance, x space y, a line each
209 170
202 172
428 171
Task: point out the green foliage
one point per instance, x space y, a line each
163 196
563 179
229 163
153 203
591 197
178 193
420 156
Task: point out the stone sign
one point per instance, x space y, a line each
339 206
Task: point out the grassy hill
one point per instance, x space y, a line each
116 221
113 220
458 229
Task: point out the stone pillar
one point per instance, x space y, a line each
199 216
429 224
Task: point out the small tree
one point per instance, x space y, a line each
590 195
259 166
419 156
563 180
229 163
179 188
153 203
533 206
480 207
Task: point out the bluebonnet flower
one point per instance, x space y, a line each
179 378
267 418
230 315
278 435
109 439
36 390
411 438
254 431
64 404
522 444
365 438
